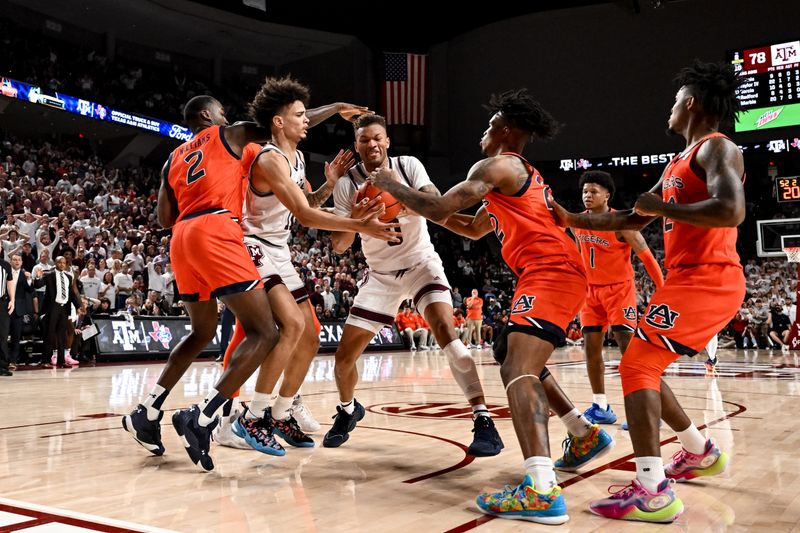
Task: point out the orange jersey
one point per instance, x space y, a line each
607 259
405 321
474 308
420 321
206 174
685 244
458 321
524 224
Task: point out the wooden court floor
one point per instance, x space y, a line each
66 464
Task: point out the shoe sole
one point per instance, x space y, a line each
719 466
292 442
547 520
601 453
176 423
255 445
156 450
639 516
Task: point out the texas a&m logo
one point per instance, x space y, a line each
661 316
629 312
523 304
255 254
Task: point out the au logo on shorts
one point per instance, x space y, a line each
661 316
255 254
629 312
523 304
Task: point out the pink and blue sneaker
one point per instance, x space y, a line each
686 465
634 502
580 450
524 502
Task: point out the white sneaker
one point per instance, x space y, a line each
225 436
303 415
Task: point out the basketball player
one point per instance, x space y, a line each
277 195
201 196
550 290
410 268
701 202
612 296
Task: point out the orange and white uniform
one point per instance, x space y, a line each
612 295
552 281
704 288
208 255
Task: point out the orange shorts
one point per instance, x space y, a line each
610 305
210 260
546 300
694 304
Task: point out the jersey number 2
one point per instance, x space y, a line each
193 160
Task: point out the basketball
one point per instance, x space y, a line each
391 205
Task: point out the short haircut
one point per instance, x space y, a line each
520 109
196 105
274 96
714 85
368 120
599 177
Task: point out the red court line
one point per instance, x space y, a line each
49 518
616 463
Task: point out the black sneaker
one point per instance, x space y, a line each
289 430
343 424
486 442
146 432
196 438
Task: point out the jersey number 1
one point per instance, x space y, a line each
193 160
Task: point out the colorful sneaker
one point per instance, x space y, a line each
525 503
634 502
686 465
290 431
595 415
225 436
580 450
343 424
196 438
258 434
304 418
146 432
487 441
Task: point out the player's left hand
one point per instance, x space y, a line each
339 166
649 204
561 215
382 177
350 112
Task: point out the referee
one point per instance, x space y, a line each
7 289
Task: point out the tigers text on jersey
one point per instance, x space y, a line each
684 182
607 259
264 215
524 224
205 173
415 245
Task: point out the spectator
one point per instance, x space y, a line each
407 326
459 324
458 300
124 285
22 317
474 318
779 327
59 293
91 282
7 299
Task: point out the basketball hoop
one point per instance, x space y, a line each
792 253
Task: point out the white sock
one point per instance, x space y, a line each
282 406
349 407
258 405
156 393
542 472
650 472
576 423
66 352
480 410
711 348
601 400
692 440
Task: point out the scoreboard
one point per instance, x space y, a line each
770 93
788 189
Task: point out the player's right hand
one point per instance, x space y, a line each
367 207
370 225
561 215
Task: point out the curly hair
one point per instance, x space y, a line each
714 85
274 96
599 177
368 120
523 112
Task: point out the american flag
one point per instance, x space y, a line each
403 95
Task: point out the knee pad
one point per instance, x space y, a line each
464 370
642 365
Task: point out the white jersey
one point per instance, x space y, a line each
264 216
416 245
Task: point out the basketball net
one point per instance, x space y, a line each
792 253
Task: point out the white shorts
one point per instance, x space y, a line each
381 293
274 265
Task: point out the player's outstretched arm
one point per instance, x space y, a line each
167 206
470 226
347 111
724 168
270 172
333 171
